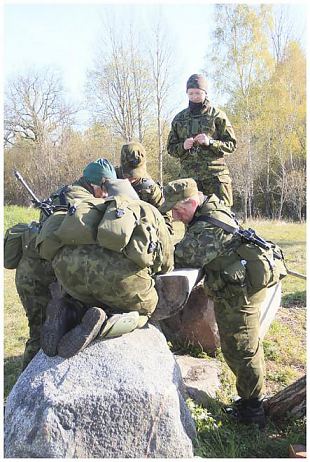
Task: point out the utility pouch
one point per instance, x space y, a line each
143 246
13 245
262 268
117 225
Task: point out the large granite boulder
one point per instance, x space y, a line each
119 398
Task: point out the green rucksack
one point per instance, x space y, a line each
19 240
81 222
132 227
263 261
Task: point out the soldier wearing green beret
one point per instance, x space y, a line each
105 254
201 136
33 274
235 278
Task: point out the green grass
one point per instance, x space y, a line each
285 357
14 214
284 346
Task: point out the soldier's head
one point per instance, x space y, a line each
196 88
133 161
182 198
96 173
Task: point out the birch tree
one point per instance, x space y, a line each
241 62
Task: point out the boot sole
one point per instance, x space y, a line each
80 336
53 329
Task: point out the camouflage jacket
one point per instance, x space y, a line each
214 123
146 188
149 191
203 242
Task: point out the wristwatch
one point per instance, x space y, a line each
211 142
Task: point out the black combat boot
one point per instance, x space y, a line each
81 335
61 316
248 411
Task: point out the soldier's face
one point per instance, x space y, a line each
184 211
100 192
195 95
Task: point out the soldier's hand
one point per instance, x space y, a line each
188 143
202 138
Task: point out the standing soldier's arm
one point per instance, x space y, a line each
224 141
175 143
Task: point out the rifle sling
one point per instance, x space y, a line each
220 224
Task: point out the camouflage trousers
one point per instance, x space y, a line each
220 185
33 277
239 325
100 277
216 182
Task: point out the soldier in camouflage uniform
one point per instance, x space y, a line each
33 274
201 136
133 167
109 281
230 283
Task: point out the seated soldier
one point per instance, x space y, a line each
34 274
237 273
109 252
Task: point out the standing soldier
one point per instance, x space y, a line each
237 274
201 135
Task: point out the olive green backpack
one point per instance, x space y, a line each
19 240
263 260
132 227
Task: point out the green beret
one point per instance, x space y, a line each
133 160
197 81
178 190
96 171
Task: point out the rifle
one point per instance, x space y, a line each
46 206
249 235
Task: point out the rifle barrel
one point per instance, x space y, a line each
21 179
297 275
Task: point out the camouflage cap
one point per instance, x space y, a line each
178 190
133 159
96 171
197 81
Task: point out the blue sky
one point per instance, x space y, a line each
64 36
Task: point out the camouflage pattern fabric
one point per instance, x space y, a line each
236 304
205 164
34 275
100 277
149 191
32 278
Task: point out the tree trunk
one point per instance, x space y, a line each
290 402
